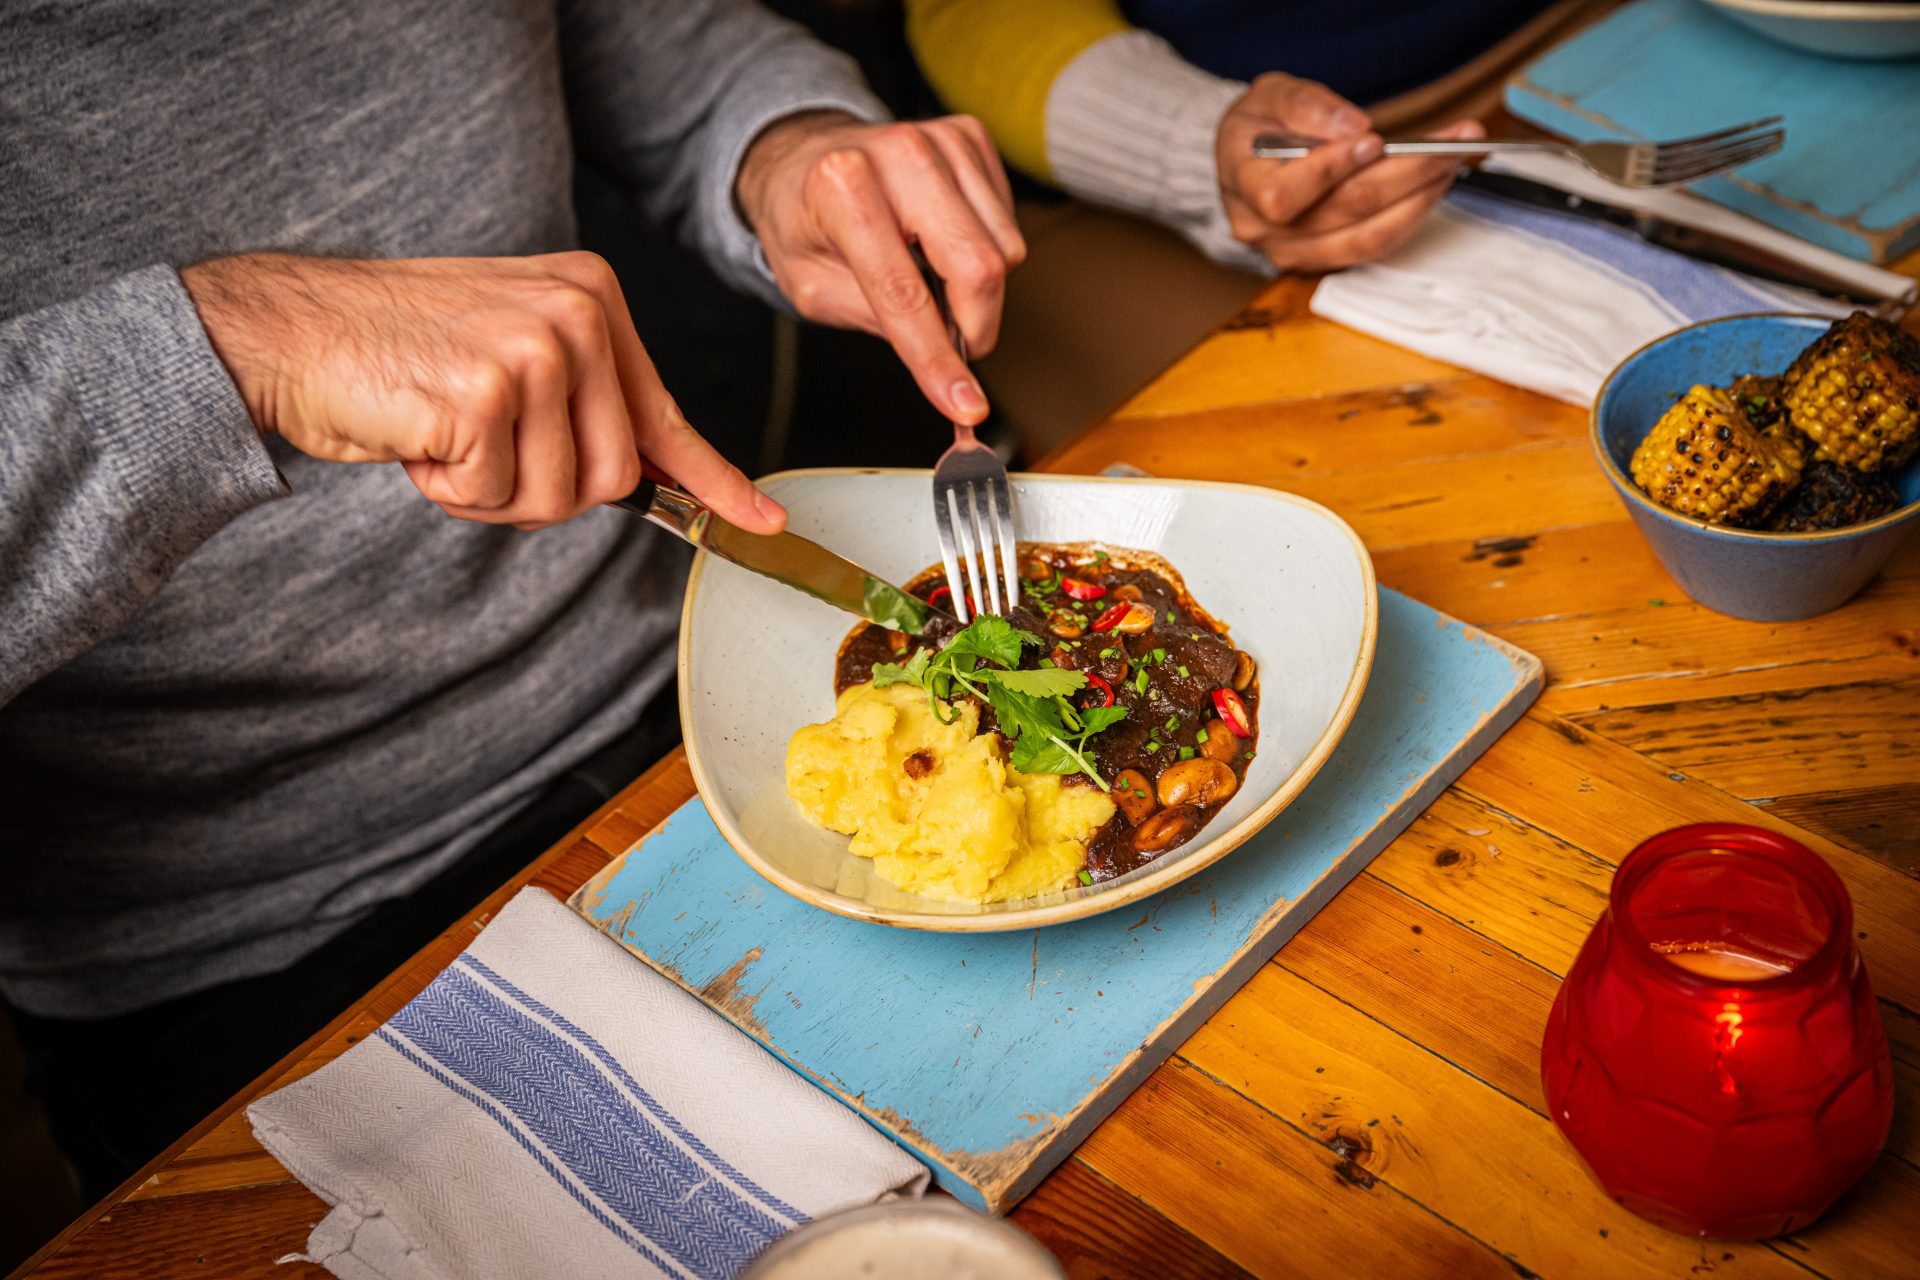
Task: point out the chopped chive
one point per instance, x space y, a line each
1182 669
1186 753
1152 746
1046 662
1249 753
1140 681
1200 736
1170 617
1159 655
1086 876
1173 722
1106 653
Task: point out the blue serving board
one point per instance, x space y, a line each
990 1056
1848 177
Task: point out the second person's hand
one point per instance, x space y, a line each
837 205
1339 204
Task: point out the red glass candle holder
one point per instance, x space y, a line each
1715 1054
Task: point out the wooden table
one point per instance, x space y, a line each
1370 1103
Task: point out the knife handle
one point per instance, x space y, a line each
640 501
668 508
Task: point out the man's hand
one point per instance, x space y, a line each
1339 205
513 390
837 203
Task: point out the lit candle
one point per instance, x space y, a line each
1715 1053
1720 963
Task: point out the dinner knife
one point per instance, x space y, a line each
787 558
1695 242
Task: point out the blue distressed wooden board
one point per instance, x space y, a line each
990 1056
1849 175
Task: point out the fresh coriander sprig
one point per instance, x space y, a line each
1049 734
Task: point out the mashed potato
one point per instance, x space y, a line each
934 805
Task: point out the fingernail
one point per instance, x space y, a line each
1367 149
1348 120
967 397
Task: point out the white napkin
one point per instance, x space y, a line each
1553 302
550 1106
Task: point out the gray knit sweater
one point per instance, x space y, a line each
246 696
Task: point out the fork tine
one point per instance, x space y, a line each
969 549
1002 493
979 495
1689 168
1690 150
944 510
1701 139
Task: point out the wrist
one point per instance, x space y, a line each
770 151
236 299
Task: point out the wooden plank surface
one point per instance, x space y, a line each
1370 1103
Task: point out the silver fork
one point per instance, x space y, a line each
1630 164
973 508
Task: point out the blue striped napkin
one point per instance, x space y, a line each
550 1107
1543 300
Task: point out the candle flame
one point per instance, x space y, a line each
1726 1034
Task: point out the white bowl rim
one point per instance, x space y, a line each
1633 492
1127 889
1839 10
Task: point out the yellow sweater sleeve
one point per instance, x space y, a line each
997 59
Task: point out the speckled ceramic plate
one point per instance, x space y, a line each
1290 580
1877 30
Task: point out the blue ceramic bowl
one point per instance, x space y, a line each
1768 577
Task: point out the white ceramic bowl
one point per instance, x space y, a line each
1874 31
1289 579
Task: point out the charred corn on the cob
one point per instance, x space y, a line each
1704 458
1830 496
1758 396
1855 393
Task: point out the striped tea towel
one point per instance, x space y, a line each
551 1107
1543 300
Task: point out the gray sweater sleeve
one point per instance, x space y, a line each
665 96
123 446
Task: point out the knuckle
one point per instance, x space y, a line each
574 306
485 390
901 292
584 264
976 266
842 168
536 350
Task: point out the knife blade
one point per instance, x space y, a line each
1695 242
786 558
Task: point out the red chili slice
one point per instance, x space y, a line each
1111 618
1232 712
944 592
1101 687
1080 589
